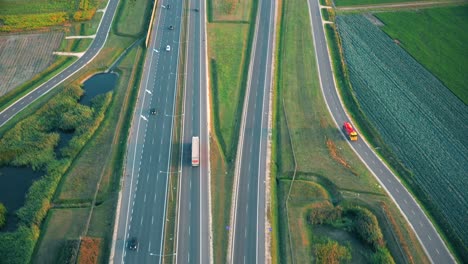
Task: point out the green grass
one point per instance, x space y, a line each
372 2
16 7
227 43
231 10
310 127
137 21
61 224
435 38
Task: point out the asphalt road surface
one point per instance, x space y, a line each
93 50
142 210
428 236
193 229
248 234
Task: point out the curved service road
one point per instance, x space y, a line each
87 57
425 231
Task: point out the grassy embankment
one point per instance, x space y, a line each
435 38
230 31
77 188
330 175
20 16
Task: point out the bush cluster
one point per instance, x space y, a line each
3 214
332 253
69 252
32 142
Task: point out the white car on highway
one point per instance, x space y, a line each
168 48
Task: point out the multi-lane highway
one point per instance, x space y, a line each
142 208
91 52
425 231
247 243
193 229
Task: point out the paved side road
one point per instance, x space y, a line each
425 231
88 56
247 244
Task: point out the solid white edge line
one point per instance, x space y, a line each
260 147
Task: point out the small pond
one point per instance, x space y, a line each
14 184
98 84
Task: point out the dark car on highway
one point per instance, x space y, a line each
133 244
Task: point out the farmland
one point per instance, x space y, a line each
28 15
423 123
24 56
374 2
444 55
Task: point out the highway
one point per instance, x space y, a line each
424 230
247 243
91 52
141 211
193 228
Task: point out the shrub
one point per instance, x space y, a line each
382 256
3 214
331 253
17 247
69 252
366 226
324 214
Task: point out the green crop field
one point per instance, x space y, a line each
416 115
437 39
28 15
372 2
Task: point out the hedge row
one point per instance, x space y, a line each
32 142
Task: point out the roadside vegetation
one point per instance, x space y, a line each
80 164
435 38
330 208
230 31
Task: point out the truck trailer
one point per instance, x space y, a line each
195 151
349 131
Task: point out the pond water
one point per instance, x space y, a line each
14 184
98 84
